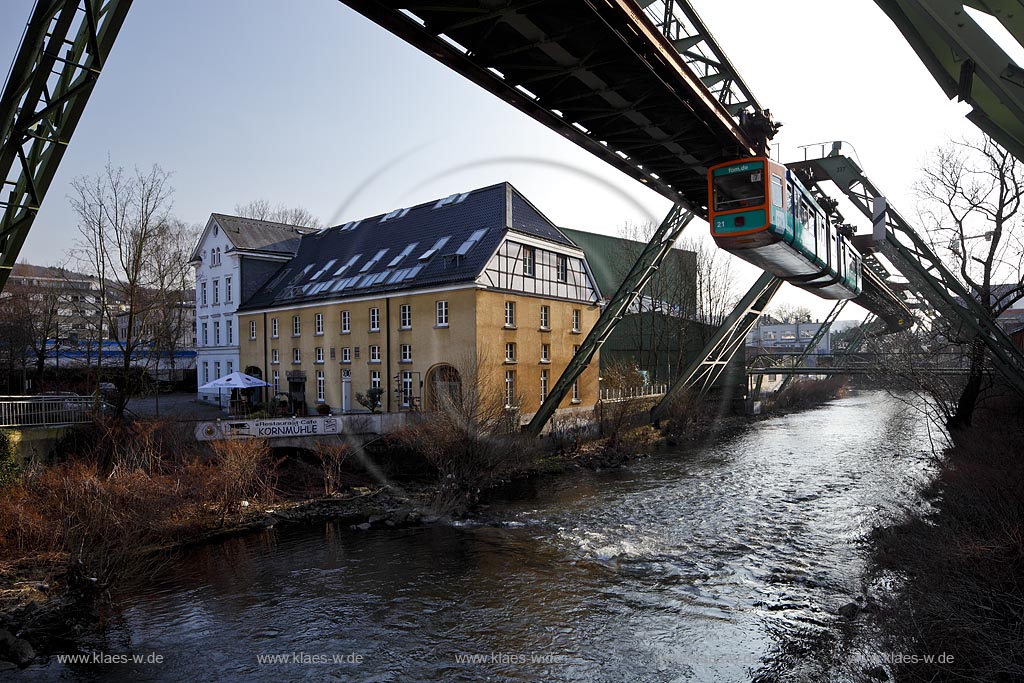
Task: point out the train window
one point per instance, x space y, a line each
776 191
738 190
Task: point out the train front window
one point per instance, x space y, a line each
739 187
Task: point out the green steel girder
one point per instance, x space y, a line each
925 271
719 351
818 336
63 52
629 291
966 62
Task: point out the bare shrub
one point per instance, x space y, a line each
569 432
472 438
332 458
244 472
683 415
806 393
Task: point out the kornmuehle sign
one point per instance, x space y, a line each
268 429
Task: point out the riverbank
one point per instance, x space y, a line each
72 531
957 605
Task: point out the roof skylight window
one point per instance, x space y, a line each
351 225
456 198
326 267
351 262
434 249
471 242
372 262
397 213
405 252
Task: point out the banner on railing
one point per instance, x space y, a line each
268 429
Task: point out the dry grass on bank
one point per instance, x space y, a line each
963 566
127 490
808 393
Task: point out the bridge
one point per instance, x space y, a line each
641 85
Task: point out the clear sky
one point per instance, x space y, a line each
307 103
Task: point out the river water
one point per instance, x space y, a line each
699 565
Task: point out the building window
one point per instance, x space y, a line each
346 355
318 324
231 331
227 289
296 355
206 372
252 329
510 314
406 353
277 381
543 385
374 354
319 351
374 319
562 268
545 317
510 388
529 259
510 352
206 335
375 379
575 320
320 386
406 388
216 333
216 369
405 316
275 356
273 328
441 319
545 353
296 326
203 290
576 391
231 367
355 352
216 292
346 322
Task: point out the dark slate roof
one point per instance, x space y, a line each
255 235
490 212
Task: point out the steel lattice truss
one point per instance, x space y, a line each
966 62
922 267
62 54
705 370
832 316
629 291
679 22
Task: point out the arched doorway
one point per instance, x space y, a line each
444 387
254 395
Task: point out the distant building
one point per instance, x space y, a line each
233 259
74 298
478 287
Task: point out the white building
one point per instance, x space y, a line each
234 257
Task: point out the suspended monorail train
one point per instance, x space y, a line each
760 211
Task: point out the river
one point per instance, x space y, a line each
699 565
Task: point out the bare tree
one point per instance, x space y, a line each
971 194
790 313
125 227
261 210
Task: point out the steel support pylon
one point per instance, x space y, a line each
65 47
708 366
631 288
818 336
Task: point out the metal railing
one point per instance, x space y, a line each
46 411
612 395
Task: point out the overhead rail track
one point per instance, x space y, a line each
596 71
915 259
63 52
966 62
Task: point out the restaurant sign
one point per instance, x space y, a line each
268 429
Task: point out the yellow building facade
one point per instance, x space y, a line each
501 308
